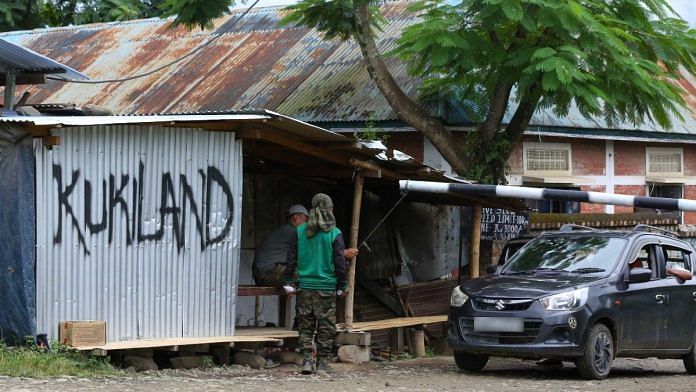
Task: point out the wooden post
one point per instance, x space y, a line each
475 242
419 343
354 228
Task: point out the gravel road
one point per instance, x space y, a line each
427 374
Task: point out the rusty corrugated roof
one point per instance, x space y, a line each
254 64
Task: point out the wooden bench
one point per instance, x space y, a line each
284 302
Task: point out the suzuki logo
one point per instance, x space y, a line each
500 305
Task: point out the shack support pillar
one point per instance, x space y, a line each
354 229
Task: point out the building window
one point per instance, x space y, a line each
547 158
555 206
662 161
670 191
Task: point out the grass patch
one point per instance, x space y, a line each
28 361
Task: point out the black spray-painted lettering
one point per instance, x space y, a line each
115 206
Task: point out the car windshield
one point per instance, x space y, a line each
566 254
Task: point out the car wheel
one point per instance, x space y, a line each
690 360
595 362
470 362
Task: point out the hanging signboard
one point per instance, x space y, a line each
501 224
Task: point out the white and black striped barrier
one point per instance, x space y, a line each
520 192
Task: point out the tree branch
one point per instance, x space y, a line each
523 115
405 107
496 111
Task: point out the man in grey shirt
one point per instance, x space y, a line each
271 257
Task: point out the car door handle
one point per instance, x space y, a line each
693 295
660 298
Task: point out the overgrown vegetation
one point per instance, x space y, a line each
30 361
372 131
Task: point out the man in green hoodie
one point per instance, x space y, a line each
317 257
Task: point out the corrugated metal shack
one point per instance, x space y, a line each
141 221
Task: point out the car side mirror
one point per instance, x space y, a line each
639 275
491 269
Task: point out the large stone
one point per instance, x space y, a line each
286 357
191 362
354 354
249 359
140 364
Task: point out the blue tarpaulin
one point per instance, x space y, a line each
17 236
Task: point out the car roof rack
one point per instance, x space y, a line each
648 228
572 226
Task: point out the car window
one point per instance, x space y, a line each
646 258
676 258
580 254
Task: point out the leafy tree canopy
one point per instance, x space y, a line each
29 14
615 59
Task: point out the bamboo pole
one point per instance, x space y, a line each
475 242
354 228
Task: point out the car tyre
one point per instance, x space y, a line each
470 362
690 360
598 355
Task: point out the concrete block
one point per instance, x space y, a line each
286 357
190 362
140 364
353 354
249 359
353 338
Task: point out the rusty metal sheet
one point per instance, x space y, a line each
254 63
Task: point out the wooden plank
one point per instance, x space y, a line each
253 291
271 335
181 342
278 333
294 144
397 322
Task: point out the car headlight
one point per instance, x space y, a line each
458 297
571 300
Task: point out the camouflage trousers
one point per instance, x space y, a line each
316 313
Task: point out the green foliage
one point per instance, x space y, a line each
372 131
29 14
333 18
17 14
196 13
29 361
490 155
615 59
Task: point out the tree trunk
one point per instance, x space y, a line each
499 102
405 107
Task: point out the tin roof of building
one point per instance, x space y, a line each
254 63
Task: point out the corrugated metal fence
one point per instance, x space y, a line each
139 226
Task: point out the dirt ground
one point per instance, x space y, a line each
426 374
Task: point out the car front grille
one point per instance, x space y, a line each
530 333
502 305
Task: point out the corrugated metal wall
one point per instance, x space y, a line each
139 226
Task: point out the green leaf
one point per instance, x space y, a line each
543 53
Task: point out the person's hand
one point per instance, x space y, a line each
341 293
289 290
350 253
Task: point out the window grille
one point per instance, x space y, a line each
540 159
664 161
